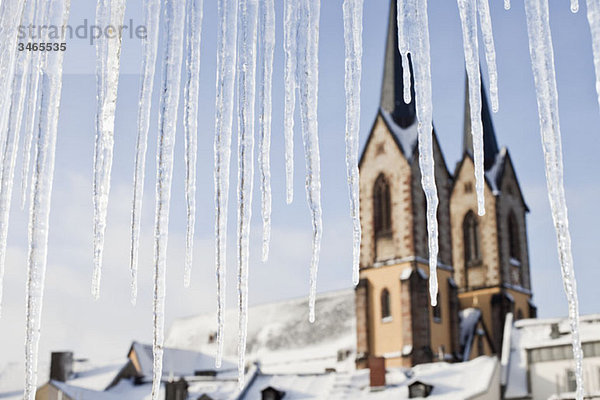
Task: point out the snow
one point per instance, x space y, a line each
167 123
151 11
406 137
352 10
469 318
542 64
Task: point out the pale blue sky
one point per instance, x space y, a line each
72 320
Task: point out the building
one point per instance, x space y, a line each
483 261
537 360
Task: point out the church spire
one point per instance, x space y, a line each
392 88
490 145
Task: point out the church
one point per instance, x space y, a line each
483 262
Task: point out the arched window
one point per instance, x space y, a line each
382 213
385 304
471 239
513 238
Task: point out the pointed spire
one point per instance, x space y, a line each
490 144
392 88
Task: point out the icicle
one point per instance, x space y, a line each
267 44
167 125
248 19
507 5
574 6
194 23
290 33
149 50
542 64
12 142
416 27
593 15
308 83
403 48
352 10
485 21
468 17
108 52
32 106
39 212
226 61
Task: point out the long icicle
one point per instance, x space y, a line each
108 51
542 64
32 106
468 16
485 21
290 47
39 212
308 83
167 125
593 16
418 36
247 25
352 10
191 96
149 50
267 45
9 158
226 62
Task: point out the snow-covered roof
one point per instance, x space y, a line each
279 334
405 137
536 333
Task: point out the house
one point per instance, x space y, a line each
538 359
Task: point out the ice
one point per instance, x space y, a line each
403 48
542 63
352 10
226 61
267 46
108 53
194 24
593 15
149 48
485 21
167 124
290 33
468 16
11 144
39 212
32 106
507 5
308 84
416 28
247 25
574 6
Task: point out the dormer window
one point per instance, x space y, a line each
382 213
471 239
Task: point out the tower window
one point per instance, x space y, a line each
513 239
471 239
386 313
382 207
437 310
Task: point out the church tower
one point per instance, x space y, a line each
490 252
394 318
483 261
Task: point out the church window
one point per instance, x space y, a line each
471 239
519 314
382 207
386 313
437 310
513 239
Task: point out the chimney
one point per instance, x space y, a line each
377 372
555 332
61 365
177 390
